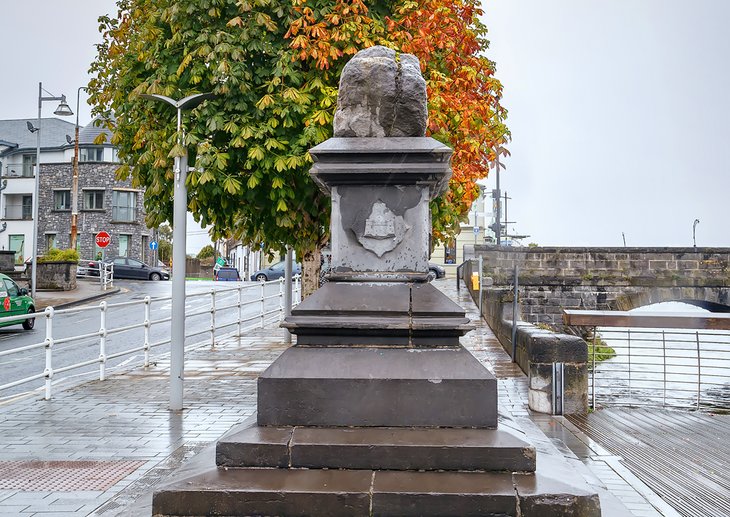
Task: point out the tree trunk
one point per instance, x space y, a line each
311 264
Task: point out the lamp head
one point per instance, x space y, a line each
63 110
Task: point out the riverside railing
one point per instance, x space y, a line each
215 313
668 360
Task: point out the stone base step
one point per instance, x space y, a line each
299 492
376 448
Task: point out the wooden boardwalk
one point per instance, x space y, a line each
683 456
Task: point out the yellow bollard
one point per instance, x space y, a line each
475 281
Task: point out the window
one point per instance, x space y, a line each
11 287
27 214
124 245
62 200
17 244
50 241
123 206
91 154
28 165
93 199
145 248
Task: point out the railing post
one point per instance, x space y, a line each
102 341
147 325
664 368
481 282
281 299
212 318
629 354
263 302
699 370
514 312
240 316
48 372
593 370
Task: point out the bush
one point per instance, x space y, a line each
56 255
207 252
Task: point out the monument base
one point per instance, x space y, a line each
332 471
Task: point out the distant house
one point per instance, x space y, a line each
104 202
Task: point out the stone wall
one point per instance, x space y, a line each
7 261
56 276
92 175
537 350
553 279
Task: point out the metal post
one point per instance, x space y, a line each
180 208
557 388
179 227
281 299
593 370
75 180
263 303
629 354
36 190
288 290
664 361
147 325
240 316
212 318
48 372
514 314
699 369
481 282
102 342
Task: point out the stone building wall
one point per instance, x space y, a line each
92 175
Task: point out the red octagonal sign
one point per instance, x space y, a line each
103 239
6 304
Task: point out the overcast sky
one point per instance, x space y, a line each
619 110
620 119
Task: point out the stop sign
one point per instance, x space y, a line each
103 239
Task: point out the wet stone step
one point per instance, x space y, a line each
377 448
298 492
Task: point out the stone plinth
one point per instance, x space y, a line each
7 261
377 410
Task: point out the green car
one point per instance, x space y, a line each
15 300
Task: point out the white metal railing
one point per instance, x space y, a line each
659 359
226 308
663 367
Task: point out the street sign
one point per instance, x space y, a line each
103 239
476 230
153 245
220 261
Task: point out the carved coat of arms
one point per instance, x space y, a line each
384 230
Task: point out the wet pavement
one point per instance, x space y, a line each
100 448
87 290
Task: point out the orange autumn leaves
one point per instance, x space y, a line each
449 40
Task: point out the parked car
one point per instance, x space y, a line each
125 267
227 274
14 300
275 272
435 271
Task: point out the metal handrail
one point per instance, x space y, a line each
261 319
660 359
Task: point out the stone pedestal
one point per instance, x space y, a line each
377 410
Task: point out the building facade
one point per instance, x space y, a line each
104 202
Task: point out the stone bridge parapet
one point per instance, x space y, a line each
556 278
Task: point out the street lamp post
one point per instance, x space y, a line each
64 111
179 224
75 182
694 227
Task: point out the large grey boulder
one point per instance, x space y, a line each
382 93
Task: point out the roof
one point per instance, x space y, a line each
88 133
53 132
